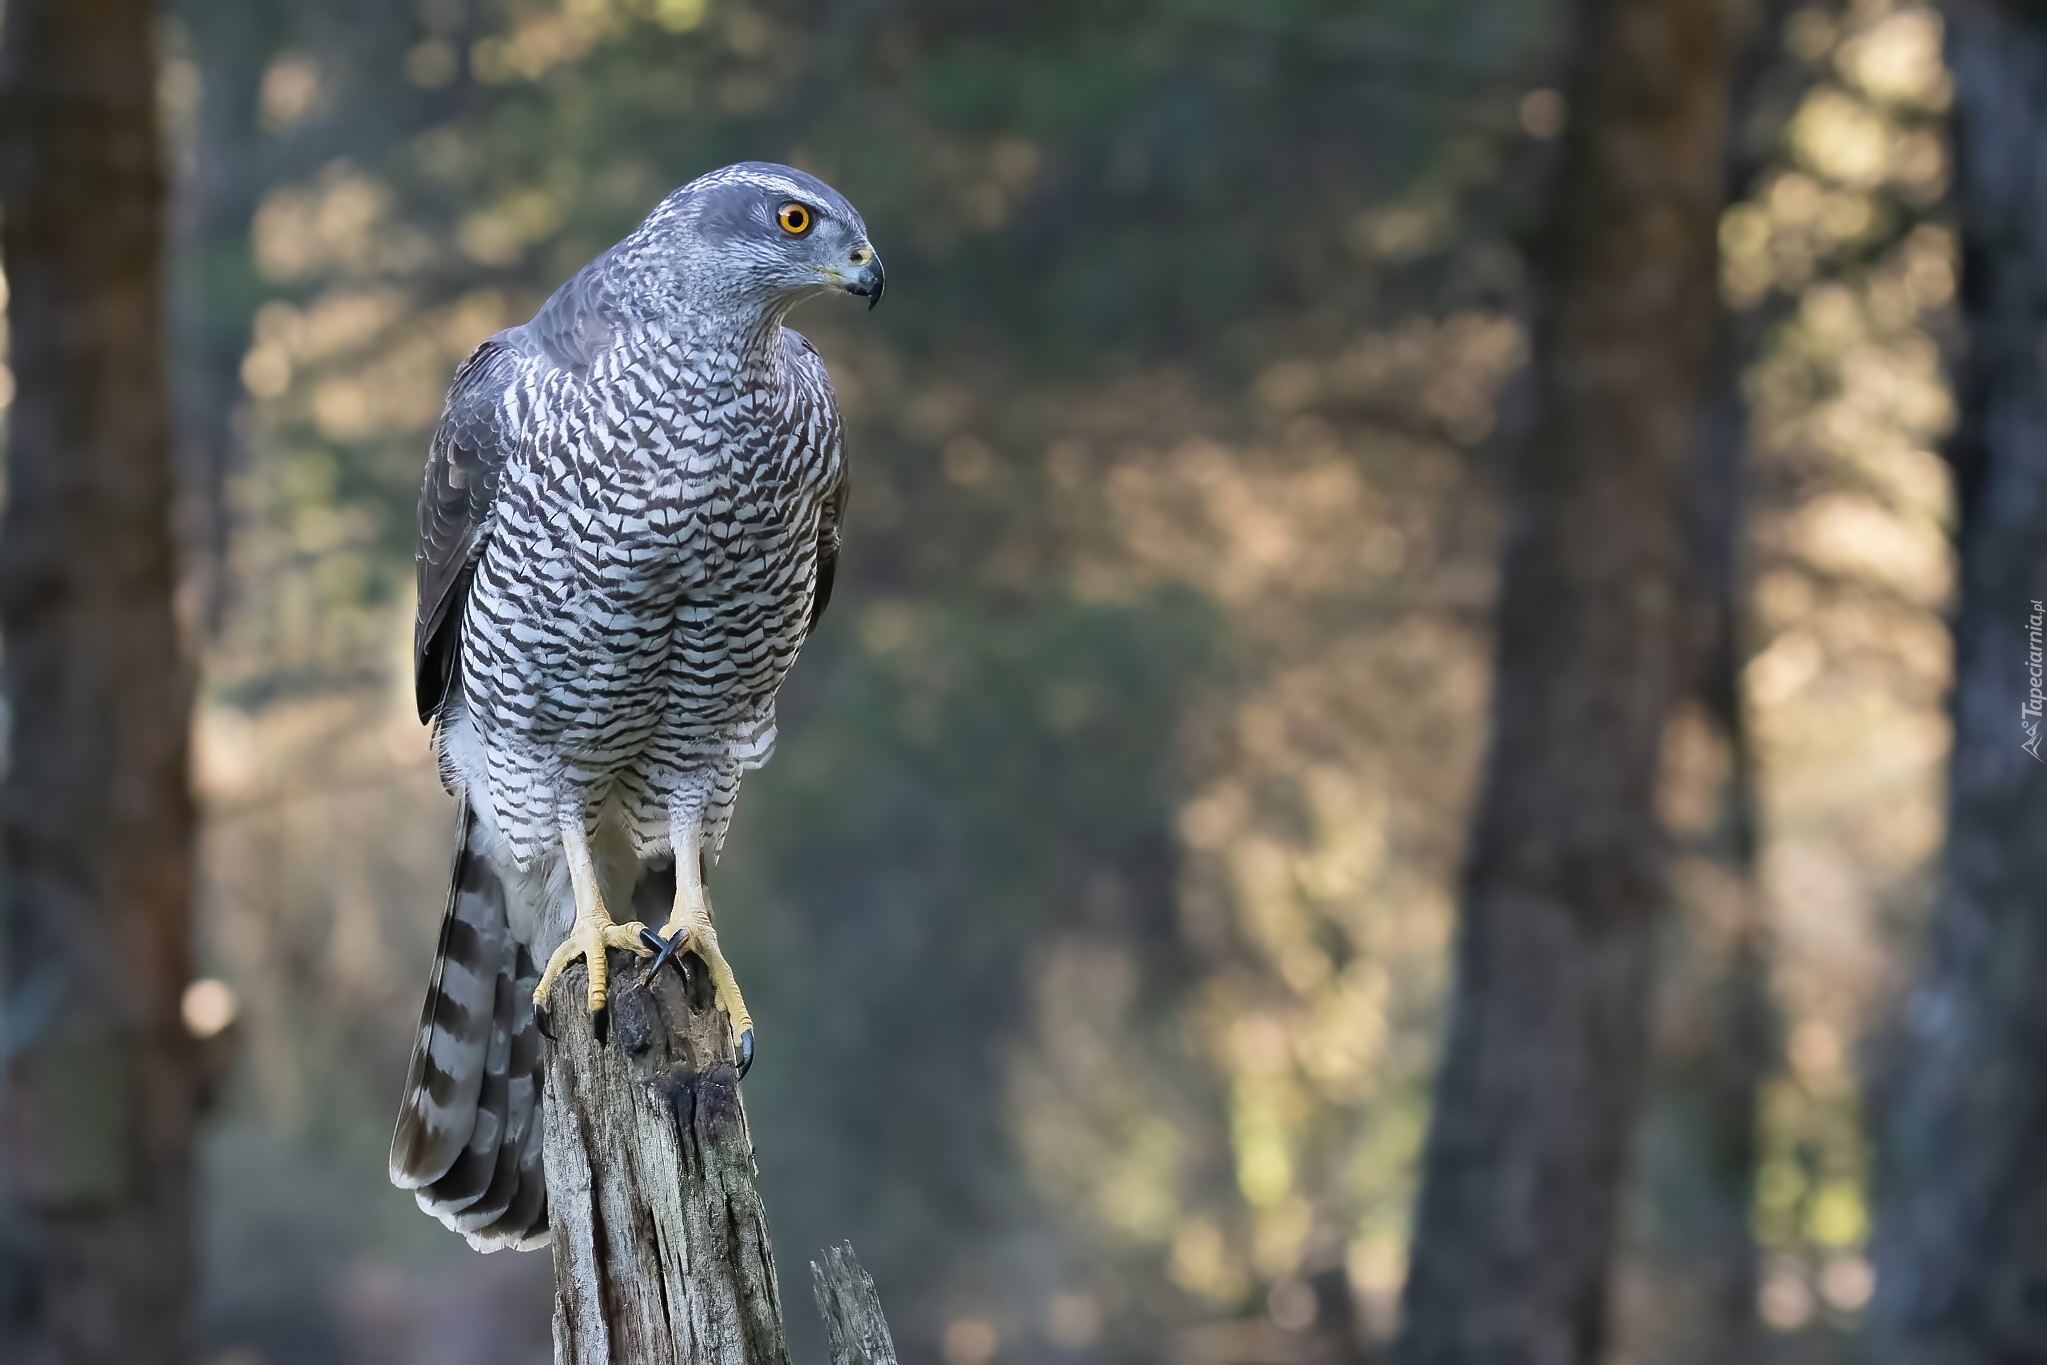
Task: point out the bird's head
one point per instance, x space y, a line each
768 236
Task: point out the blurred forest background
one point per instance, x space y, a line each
1099 907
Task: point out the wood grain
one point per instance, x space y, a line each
661 1247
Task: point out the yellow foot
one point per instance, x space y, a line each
588 939
676 938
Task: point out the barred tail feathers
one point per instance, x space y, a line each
468 1139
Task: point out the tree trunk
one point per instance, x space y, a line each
1961 1245
96 818
661 1250
1564 882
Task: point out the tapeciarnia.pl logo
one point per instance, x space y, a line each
2029 714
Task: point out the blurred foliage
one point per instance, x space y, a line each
1839 254
1097 904
1854 577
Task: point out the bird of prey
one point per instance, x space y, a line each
629 526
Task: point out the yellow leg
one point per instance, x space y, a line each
692 921
593 930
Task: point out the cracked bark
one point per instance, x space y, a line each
661 1248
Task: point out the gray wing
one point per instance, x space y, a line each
818 409
476 435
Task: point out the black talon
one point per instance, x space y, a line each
600 1023
664 952
745 1053
540 1021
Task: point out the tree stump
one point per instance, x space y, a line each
852 1310
661 1250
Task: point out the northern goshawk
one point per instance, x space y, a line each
629 526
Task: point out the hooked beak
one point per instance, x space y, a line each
868 282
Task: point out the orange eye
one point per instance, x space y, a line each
795 219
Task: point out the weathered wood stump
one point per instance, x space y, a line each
852 1310
661 1250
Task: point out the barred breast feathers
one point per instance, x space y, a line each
599 475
